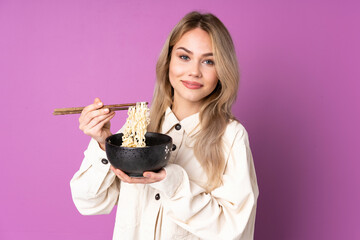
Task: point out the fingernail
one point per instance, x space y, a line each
106 110
147 175
100 103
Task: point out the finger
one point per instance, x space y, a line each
97 100
151 177
114 171
96 113
87 115
86 118
155 177
143 180
97 117
123 176
100 124
126 178
94 128
96 105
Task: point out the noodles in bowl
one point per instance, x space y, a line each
136 150
136 125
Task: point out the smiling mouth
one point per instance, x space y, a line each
191 84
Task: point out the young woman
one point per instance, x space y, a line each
209 189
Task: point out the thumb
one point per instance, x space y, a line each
97 100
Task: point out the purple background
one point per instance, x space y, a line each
299 101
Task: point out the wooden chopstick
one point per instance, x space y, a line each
77 110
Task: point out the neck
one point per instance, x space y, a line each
184 110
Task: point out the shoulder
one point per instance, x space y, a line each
235 131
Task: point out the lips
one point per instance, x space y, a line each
191 84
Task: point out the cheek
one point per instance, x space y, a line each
212 79
213 86
175 70
172 74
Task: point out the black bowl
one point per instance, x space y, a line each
136 160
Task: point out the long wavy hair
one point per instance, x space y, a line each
215 113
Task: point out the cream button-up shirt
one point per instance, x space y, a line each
178 206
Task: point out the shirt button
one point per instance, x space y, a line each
178 127
173 147
157 196
104 161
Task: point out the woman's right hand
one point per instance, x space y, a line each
95 122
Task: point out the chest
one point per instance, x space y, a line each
183 154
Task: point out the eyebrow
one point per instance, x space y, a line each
190 52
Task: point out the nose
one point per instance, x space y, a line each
195 70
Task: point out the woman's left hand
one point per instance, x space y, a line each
149 177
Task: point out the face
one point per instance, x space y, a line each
192 71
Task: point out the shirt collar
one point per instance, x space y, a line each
191 124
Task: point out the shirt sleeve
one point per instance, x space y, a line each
228 212
94 187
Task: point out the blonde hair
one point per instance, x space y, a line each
208 147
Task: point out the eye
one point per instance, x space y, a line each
209 62
184 57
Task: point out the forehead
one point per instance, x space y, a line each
195 40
